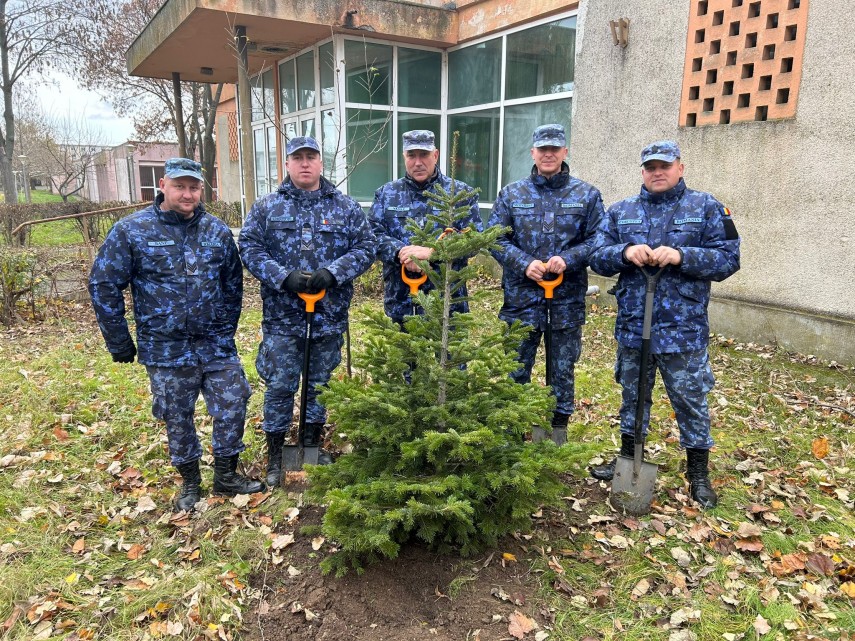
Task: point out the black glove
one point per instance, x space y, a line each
126 356
321 279
297 281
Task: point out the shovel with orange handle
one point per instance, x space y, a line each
295 456
414 284
559 434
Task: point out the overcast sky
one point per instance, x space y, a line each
64 96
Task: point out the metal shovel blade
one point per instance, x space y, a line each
558 435
293 457
633 493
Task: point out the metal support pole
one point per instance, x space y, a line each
245 117
179 114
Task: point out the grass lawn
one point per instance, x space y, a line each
90 550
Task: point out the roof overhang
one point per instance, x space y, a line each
195 38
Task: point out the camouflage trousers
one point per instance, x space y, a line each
280 365
225 389
687 377
566 349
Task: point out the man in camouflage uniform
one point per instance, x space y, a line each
692 238
305 237
400 201
553 218
187 282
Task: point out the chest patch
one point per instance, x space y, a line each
281 219
398 208
571 205
519 205
630 221
208 243
160 243
683 221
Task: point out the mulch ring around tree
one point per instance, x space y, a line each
418 595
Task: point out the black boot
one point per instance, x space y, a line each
559 420
606 472
312 438
697 470
275 441
228 482
191 492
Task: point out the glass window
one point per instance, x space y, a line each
149 181
306 80
331 143
541 60
474 74
369 151
478 149
256 98
419 78
272 165
326 59
269 95
308 128
520 123
368 69
260 162
287 88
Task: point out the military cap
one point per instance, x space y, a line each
666 150
419 139
549 136
301 142
181 167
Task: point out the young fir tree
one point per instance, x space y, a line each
435 423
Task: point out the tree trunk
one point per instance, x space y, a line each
7 137
209 152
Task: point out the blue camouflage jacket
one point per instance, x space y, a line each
558 216
308 230
693 222
186 281
395 204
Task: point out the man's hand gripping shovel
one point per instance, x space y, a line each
635 479
295 456
559 434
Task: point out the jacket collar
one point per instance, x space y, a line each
417 186
291 190
675 193
559 180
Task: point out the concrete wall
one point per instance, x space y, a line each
787 182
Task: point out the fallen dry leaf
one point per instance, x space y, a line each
761 625
819 447
79 545
520 625
640 589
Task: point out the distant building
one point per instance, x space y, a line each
130 171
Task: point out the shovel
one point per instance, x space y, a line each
559 434
635 479
414 284
295 456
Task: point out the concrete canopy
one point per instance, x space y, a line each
195 37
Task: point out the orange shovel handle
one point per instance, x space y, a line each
412 282
311 299
550 285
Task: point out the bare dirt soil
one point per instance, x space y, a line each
419 595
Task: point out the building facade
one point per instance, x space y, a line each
755 91
129 172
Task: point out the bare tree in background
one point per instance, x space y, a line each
34 35
105 29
